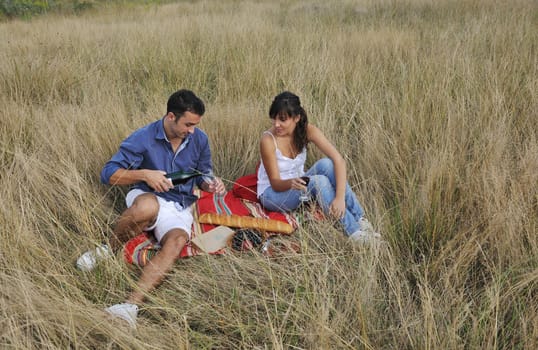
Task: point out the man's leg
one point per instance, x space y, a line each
140 215
142 212
171 238
154 272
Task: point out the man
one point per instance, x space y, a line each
154 203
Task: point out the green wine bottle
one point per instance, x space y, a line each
181 177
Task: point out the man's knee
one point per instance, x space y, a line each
174 241
144 208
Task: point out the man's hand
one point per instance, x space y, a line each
215 185
156 180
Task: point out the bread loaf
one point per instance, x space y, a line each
268 225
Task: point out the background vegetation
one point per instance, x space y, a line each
433 103
27 9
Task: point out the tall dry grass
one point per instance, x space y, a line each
433 104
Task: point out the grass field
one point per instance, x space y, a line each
434 105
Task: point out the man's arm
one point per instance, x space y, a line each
154 178
123 167
128 157
205 166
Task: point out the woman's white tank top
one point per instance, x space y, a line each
289 168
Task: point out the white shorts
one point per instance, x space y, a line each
168 218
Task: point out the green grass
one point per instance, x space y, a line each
432 103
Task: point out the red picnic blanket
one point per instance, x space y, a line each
140 249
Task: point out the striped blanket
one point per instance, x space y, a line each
140 249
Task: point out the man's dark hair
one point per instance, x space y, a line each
182 101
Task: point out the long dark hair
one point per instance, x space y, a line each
287 104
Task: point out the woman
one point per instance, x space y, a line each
283 155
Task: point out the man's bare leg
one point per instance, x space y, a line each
135 219
154 272
140 215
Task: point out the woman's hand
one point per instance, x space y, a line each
338 208
298 184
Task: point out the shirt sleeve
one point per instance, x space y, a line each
129 156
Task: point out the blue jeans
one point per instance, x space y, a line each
321 187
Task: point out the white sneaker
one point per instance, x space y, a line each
88 260
125 311
366 233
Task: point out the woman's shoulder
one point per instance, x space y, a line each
312 131
267 135
311 126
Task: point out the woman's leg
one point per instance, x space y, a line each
280 201
321 188
325 167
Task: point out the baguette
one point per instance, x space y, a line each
268 225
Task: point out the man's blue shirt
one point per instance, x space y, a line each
149 148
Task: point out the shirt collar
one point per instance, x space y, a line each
161 135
